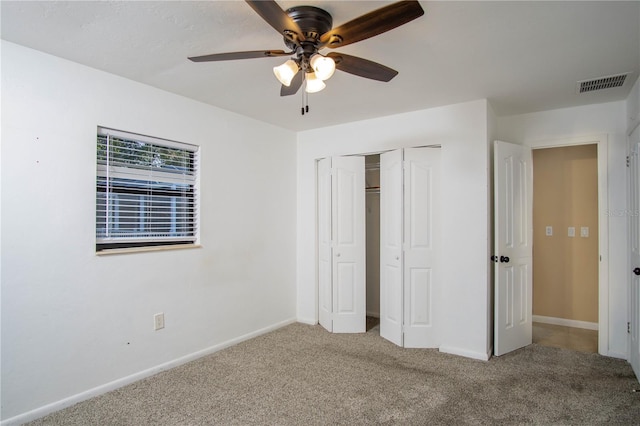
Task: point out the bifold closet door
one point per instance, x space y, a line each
391 246
341 241
421 247
409 242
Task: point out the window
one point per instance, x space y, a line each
146 191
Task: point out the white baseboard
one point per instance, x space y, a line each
107 387
466 353
616 355
566 322
308 321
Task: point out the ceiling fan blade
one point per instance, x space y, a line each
273 14
293 88
362 67
373 23
230 56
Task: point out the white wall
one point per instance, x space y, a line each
462 131
633 107
75 324
585 121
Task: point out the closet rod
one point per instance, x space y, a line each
372 166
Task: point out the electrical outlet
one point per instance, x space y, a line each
158 321
549 231
571 232
584 232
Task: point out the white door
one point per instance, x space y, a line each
325 257
409 237
349 250
421 247
513 196
634 242
391 205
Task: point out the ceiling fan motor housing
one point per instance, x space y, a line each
313 22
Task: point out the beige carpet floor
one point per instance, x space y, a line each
559 336
302 375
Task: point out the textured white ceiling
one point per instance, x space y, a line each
522 56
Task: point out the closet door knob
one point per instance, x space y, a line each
397 257
636 271
337 254
504 259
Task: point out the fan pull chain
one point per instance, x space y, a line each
305 97
303 86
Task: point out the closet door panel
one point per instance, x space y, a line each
391 275
345 288
392 297
348 261
421 236
419 314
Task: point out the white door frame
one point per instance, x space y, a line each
632 290
324 247
602 142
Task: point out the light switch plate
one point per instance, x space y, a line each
584 232
548 231
572 231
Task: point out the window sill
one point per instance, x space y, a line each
109 252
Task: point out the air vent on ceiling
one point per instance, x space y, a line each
602 83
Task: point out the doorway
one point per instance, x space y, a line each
509 276
565 247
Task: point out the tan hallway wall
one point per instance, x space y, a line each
565 269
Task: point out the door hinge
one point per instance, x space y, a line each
628 327
628 161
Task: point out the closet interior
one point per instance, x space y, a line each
372 202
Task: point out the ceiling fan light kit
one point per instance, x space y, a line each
285 72
323 66
313 84
307 29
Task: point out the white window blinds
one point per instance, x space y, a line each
146 191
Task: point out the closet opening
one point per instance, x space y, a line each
378 245
372 237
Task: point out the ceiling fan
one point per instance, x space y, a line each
307 29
